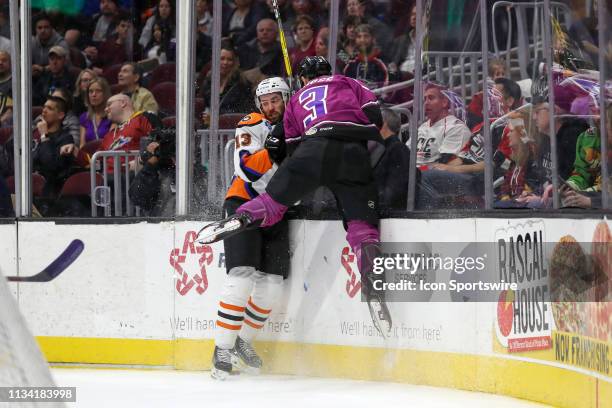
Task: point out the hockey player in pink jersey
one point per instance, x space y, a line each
332 117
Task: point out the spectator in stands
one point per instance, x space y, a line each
566 130
129 126
80 91
263 52
379 31
321 48
443 135
104 23
348 50
71 121
304 30
203 17
114 50
235 94
6 204
241 23
160 45
77 57
522 182
367 66
497 107
6 77
511 91
93 123
6 110
497 69
584 185
56 76
392 168
164 17
203 51
305 8
287 15
46 38
52 156
129 79
403 56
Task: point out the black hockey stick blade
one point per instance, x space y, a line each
59 265
220 230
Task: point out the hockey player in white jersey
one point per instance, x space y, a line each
256 260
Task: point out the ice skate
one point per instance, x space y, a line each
379 313
248 360
223 360
219 230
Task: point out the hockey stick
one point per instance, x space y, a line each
283 42
63 261
227 227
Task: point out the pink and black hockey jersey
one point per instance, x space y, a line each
330 106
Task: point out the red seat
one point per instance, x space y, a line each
79 184
230 120
169 121
38 184
74 71
111 73
115 89
91 147
5 134
36 111
163 73
165 95
76 58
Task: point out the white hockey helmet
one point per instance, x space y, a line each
272 85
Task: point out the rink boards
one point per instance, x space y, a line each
146 294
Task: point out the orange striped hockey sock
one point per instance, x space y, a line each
230 315
264 297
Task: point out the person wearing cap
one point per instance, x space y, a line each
566 129
55 76
46 38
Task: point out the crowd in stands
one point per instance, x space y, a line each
104 78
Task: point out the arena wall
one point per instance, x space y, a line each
144 294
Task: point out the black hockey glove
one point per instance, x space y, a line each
275 144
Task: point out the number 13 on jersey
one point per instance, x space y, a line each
314 101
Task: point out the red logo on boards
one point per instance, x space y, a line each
353 284
178 256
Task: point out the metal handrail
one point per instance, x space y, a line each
121 161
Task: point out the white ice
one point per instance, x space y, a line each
156 388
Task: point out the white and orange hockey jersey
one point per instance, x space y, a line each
253 167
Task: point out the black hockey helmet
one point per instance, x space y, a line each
313 67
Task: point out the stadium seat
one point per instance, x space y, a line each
79 184
111 73
163 73
115 89
165 95
76 58
5 134
36 111
230 120
74 71
169 121
38 184
91 147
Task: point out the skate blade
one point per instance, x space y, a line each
218 231
243 368
221 375
380 317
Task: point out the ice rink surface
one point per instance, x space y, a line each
156 388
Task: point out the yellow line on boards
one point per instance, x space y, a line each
537 382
